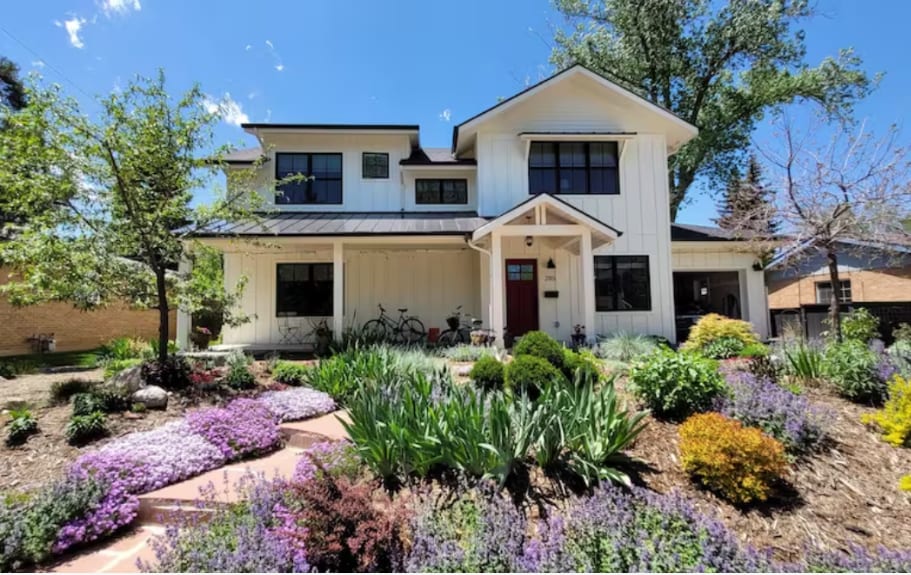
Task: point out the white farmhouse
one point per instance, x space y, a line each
550 210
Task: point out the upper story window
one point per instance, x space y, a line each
440 191
622 283
824 292
573 168
323 182
375 166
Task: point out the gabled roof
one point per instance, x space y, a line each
567 209
334 127
244 156
566 73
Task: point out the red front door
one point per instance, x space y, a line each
521 296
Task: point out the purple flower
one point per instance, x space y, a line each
331 454
782 414
244 427
165 455
298 403
857 560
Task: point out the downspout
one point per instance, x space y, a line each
470 243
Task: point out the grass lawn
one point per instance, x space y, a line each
87 358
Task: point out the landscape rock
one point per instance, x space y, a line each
152 396
128 381
464 370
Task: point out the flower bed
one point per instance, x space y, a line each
98 496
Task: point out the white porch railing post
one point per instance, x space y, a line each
338 289
588 282
497 296
183 318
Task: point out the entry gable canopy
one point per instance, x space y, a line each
547 215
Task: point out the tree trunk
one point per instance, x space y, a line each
163 318
834 299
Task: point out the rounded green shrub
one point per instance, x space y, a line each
583 362
724 347
853 369
530 374
676 385
488 372
540 345
290 373
83 429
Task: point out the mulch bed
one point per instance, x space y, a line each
845 493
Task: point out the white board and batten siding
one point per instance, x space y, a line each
640 211
429 281
359 194
711 257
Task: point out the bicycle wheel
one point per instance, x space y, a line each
412 331
374 331
448 338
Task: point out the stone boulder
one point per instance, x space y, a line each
152 396
127 382
464 370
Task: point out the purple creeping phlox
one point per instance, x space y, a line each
244 427
258 535
780 413
297 403
168 454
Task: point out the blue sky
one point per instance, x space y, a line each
430 63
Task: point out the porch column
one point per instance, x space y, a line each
183 318
588 282
497 297
338 289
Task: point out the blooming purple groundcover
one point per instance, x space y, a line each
298 403
153 459
782 414
330 454
244 427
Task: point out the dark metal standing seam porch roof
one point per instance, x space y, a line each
304 224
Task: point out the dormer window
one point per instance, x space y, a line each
322 184
573 168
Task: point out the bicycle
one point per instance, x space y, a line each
459 331
408 330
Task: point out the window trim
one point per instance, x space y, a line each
845 286
441 182
364 175
648 274
310 180
285 315
588 167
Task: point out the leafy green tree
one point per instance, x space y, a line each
718 65
12 91
108 200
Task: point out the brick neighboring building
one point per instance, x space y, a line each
73 330
872 276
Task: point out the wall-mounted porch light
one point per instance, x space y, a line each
529 241
550 264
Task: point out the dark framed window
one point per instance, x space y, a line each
375 166
824 292
321 181
303 290
574 168
622 283
440 191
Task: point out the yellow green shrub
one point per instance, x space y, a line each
895 417
905 483
739 463
714 327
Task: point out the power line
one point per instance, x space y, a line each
46 63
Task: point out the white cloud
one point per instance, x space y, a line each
38 64
119 7
446 115
279 65
229 110
72 27
268 115
248 47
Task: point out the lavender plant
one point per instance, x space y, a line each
786 416
477 530
618 530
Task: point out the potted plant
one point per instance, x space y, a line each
201 336
579 337
508 338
